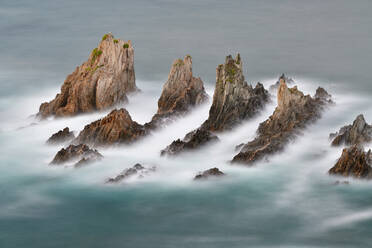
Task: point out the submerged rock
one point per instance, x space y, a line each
356 134
234 101
292 114
213 172
102 81
191 141
354 162
61 136
137 170
117 127
76 153
288 80
180 93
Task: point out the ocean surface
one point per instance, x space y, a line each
289 201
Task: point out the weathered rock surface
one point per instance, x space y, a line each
101 82
293 113
137 170
61 136
354 162
288 80
76 153
115 128
213 172
356 134
233 102
180 93
191 141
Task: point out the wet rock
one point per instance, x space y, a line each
292 114
356 134
288 80
180 93
61 136
76 153
354 162
137 170
115 128
192 140
213 172
234 101
102 81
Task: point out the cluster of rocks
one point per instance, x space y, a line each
292 114
354 160
136 171
78 154
234 101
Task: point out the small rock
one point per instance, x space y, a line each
136 170
81 153
61 136
213 172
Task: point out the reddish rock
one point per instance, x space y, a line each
76 153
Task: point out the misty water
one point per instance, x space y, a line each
289 201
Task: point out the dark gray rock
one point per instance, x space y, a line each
213 172
61 136
76 153
137 170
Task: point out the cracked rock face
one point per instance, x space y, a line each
81 153
354 162
117 127
292 114
102 81
233 102
180 93
356 134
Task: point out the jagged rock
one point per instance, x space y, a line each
214 172
136 170
101 82
233 102
61 136
354 162
76 153
293 113
288 80
180 93
116 127
191 141
357 133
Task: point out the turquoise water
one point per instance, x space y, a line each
287 202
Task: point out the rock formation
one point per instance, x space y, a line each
81 153
117 127
137 170
191 141
101 82
354 162
288 80
61 136
293 113
233 102
357 133
214 172
180 93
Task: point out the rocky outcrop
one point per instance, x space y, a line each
356 134
292 114
136 171
102 81
234 101
191 141
81 153
61 136
213 172
288 80
354 162
180 93
115 128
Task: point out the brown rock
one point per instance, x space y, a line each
75 153
354 162
293 113
356 134
117 127
288 80
61 136
214 172
101 82
136 170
